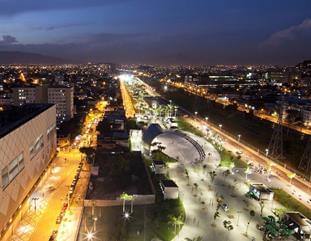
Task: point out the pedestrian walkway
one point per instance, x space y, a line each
38 220
69 228
199 196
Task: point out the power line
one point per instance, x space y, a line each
276 142
305 162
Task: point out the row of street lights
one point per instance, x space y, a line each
220 125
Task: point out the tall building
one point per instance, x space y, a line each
27 144
27 94
61 96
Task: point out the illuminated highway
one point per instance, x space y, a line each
127 101
203 92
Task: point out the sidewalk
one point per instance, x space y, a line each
68 161
301 193
69 228
38 219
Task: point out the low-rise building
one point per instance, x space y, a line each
158 167
149 135
261 192
169 189
299 224
306 117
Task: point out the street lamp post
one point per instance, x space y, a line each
90 236
239 137
238 219
267 151
94 223
206 118
220 126
35 199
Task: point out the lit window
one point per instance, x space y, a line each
9 172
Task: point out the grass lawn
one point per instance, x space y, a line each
159 155
145 223
227 158
163 210
161 218
291 203
121 172
185 126
131 124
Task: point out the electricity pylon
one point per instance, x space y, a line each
305 162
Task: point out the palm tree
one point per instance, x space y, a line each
247 172
252 215
161 148
199 238
176 221
195 186
276 228
125 197
291 176
232 166
131 198
212 175
216 215
262 206
228 225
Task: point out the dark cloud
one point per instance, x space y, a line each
290 44
57 27
141 48
7 40
181 48
11 7
292 33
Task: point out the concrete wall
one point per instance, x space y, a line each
171 193
19 141
139 200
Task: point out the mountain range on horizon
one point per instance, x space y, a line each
16 57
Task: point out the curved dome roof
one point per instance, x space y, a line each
151 132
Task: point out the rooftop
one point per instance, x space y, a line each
151 132
168 183
158 162
300 219
15 116
261 187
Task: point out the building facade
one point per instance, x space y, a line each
27 95
61 96
27 144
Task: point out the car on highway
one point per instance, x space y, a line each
239 152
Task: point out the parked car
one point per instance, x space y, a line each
53 236
225 207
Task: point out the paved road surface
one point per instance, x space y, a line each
200 203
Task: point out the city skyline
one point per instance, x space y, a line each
159 32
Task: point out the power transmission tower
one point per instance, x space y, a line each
276 142
305 162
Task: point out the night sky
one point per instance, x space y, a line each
160 31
